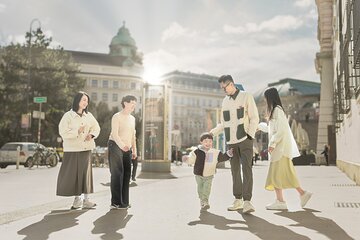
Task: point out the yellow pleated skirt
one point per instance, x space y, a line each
281 175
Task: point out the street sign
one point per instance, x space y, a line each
40 99
38 114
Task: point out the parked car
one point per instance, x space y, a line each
9 153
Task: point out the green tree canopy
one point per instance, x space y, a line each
49 72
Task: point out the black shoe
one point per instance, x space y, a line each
133 179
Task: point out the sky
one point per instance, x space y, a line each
256 41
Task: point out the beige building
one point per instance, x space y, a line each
300 100
338 64
195 99
111 76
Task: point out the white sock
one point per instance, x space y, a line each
86 196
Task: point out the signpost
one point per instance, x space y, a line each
40 100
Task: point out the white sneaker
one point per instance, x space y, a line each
88 204
77 203
248 207
305 198
237 205
277 205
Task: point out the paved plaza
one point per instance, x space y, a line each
169 208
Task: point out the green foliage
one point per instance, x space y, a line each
53 74
103 115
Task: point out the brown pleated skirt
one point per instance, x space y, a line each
75 175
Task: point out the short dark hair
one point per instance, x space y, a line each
206 135
77 99
225 78
127 98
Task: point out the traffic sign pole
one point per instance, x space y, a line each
39 130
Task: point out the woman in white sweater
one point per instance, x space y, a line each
78 129
282 149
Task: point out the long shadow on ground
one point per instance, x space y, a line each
322 225
110 223
55 221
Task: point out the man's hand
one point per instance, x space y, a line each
133 156
230 152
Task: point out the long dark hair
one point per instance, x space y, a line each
77 99
272 99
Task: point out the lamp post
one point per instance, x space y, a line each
29 69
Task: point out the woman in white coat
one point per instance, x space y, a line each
78 129
282 149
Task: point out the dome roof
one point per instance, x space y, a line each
123 37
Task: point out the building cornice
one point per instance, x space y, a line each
325 24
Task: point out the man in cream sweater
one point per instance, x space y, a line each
122 149
239 121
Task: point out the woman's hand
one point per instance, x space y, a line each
270 149
125 148
81 129
89 137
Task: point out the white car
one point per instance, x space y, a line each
13 151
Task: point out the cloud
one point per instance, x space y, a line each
267 55
304 3
275 24
175 30
2 7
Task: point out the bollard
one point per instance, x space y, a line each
18 157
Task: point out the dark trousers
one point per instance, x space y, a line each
134 167
120 169
242 160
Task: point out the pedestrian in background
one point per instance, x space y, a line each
205 159
282 149
326 154
122 149
239 121
78 129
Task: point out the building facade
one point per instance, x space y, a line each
111 76
300 100
339 21
195 103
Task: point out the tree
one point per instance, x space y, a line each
103 115
53 74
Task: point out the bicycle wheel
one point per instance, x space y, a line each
52 160
30 162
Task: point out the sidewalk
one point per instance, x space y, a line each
169 209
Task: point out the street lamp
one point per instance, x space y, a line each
29 69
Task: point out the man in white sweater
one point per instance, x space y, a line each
239 121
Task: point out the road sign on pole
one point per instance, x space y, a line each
40 99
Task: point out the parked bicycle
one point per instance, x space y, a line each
44 157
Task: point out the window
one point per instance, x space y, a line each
105 83
105 97
133 85
94 83
116 84
115 97
94 96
